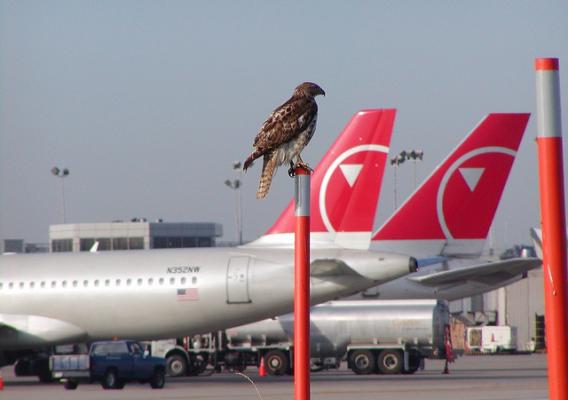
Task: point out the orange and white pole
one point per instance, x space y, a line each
551 178
302 286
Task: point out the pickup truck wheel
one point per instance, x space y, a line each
176 365
390 362
362 362
111 381
70 384
158 379
276 362
44 374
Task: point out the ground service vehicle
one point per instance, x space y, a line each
388 337
113 363
492 339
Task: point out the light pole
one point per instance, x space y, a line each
395 162
415 155
400 158
235 184
61 173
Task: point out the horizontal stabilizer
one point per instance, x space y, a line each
487 273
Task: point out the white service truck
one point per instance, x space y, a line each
492 339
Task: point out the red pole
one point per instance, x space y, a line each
551 178
302 287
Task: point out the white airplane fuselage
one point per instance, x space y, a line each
62 298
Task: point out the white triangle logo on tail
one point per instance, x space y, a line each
351 172
471 176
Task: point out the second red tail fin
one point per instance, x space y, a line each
451 213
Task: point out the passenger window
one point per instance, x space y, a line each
11 285
64 284
75 283
172 281
128 282
107 282
150 281
96 283
53 284
194 280
42 285
140 281
85 283
118 282
161 281
32 285
183 280
0 285
21 285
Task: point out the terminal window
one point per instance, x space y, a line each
120 243
61 245
171 242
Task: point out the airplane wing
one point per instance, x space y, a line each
488 273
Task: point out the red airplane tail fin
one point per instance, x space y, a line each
451 213
345 186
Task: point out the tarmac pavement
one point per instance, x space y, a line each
515 377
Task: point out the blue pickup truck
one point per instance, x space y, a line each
113 363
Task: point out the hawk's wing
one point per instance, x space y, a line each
285 123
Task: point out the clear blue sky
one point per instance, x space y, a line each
148 103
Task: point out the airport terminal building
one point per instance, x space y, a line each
137 234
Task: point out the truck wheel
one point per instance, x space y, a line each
276 362
414 359
198 364
390 362
158 379
70 384
362 362
111 381
176 365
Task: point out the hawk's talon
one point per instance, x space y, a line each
301 165
291 170
304 166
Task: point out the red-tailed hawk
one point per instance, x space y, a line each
285 133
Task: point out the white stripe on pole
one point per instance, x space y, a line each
548 103
302 195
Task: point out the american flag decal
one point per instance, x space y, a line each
187 294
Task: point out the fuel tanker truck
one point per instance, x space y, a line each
387 337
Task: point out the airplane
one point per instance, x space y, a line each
59 298
445 222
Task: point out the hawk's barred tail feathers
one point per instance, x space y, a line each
253 156
269 167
